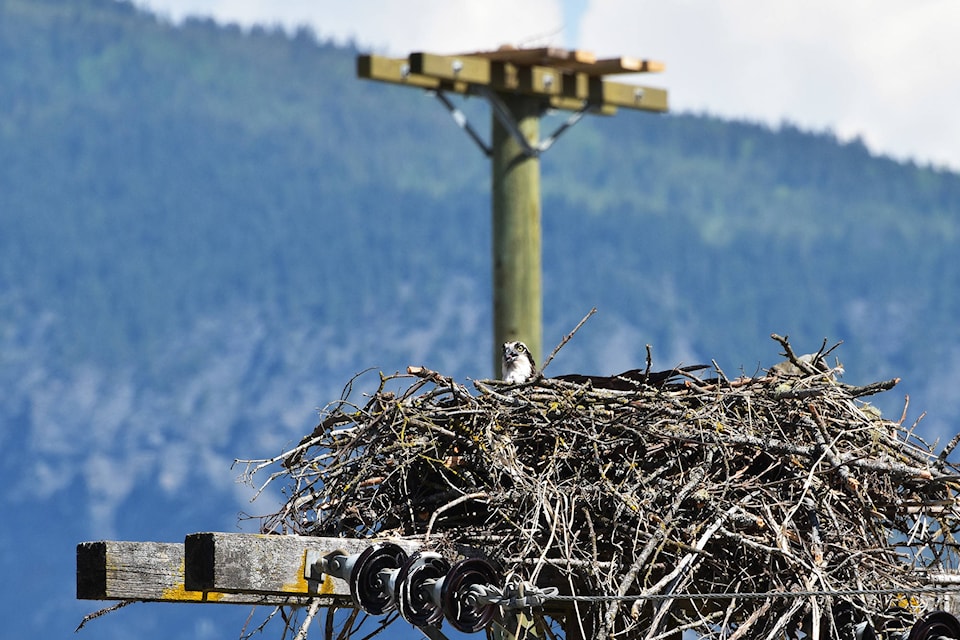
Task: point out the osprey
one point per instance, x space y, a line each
518 367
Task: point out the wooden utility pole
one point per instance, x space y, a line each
520 85
517 296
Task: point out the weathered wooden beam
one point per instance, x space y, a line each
469 69
570 60
265 564
630 96
541 80
149 571
506 77
623 64
397 71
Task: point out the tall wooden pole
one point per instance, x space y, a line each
517 295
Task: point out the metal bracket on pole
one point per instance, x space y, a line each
461 119
502 113
315 563
569 122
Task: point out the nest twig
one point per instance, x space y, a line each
776 484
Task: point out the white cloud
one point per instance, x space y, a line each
880 69
390 26
883 70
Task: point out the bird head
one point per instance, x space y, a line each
518 365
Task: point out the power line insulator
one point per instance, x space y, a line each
935 625
371 575
418 588
459 601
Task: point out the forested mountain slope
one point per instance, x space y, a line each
204 232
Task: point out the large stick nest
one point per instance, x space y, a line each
775 484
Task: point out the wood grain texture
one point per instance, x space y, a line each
265 564
149 571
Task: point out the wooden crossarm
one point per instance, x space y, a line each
229 568
619 94
265 564
397 71
569 60
560 87
225 568
149 571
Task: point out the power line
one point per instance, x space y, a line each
751 595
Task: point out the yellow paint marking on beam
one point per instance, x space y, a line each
299 584
328 587
178 593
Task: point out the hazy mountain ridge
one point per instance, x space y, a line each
205 232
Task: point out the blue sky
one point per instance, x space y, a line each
882 70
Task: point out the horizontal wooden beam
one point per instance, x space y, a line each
228 568
570 60
469 69
627 95
622 64
150 571
560 89
265 564
541 55
397 71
